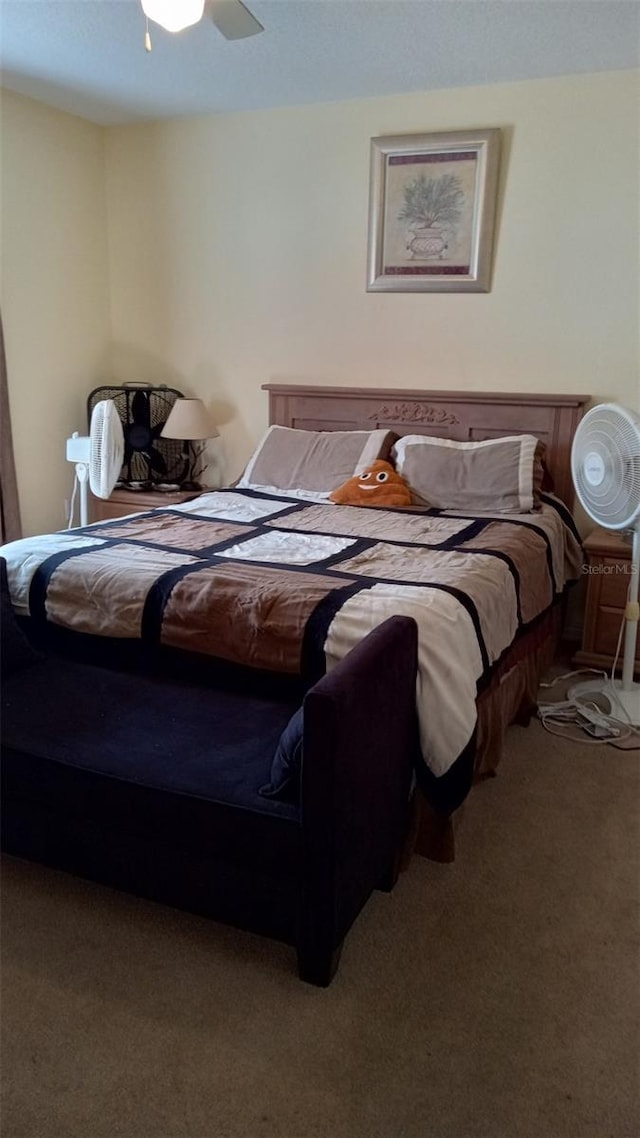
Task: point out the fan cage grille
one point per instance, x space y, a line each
605 464
107 447
162 462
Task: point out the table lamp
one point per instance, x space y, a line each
190 421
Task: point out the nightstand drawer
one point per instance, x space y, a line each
609 575
614 586
607 630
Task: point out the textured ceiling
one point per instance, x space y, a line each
87 56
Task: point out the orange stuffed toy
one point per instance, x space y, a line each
378 485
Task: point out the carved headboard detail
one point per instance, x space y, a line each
461 415
413 413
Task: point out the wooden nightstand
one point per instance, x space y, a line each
608 572
123 502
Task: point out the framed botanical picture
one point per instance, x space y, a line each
432 208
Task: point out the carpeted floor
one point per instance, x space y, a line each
493 998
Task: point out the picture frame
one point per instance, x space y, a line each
432 206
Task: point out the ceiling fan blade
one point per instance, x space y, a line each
233 19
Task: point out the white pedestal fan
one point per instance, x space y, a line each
97 456
605 465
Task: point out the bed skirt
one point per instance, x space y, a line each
510 697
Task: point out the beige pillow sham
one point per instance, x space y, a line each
312 462
494 474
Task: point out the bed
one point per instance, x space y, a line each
284 581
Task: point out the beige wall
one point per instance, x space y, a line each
54 292
237 251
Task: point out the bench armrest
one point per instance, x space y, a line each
359 746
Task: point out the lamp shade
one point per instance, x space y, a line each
189 419
173 15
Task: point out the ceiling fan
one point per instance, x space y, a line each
231 17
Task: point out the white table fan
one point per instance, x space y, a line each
605 466
98 456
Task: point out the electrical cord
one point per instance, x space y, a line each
577 672
565 715
617 652
72 504
564 725
558 718
627 722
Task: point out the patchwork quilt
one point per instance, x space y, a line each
288 585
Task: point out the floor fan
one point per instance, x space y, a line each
97 456
605 465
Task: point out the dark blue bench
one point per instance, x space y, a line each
152 784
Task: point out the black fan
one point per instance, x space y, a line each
143 410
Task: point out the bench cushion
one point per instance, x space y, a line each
182 738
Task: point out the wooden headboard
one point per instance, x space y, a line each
461 415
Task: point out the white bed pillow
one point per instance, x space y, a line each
495 474
311 462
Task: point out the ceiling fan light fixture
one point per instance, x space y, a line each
173 15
